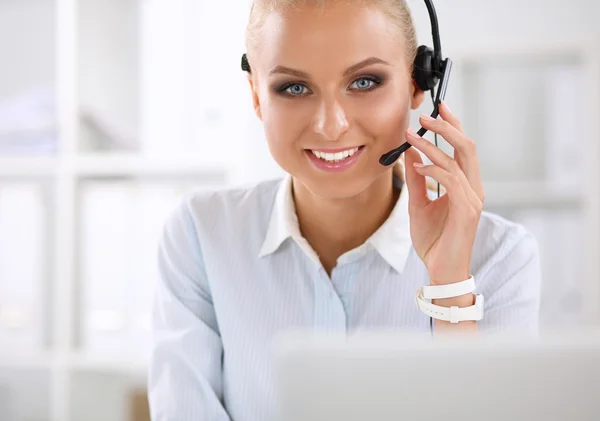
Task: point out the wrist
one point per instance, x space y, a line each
448 278
462 301
451 303
445 278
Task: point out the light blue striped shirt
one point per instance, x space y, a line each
236 272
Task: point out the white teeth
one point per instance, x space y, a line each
334 157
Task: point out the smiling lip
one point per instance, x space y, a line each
334 150
332 166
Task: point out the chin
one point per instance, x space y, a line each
334 189
339 185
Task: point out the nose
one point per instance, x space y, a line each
330 120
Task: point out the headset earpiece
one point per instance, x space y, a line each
245 64
424 70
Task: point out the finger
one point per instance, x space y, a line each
441 159
464 147
451 182
465 150
470 193
449 128
417 184
435 154
447 115
471 169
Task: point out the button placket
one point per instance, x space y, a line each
329 309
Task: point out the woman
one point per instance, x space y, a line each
330 247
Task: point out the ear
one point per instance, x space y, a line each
255 97
417 96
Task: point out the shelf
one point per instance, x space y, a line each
110 165
105 363
98 363
75 362
530 194
128 164
20 166
26 361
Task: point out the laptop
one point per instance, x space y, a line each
390 376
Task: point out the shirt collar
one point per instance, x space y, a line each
392 240
284 223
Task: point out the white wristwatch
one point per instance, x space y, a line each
451 314
455 289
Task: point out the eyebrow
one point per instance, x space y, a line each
351 69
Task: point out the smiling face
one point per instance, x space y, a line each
334 90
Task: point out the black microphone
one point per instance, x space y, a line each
393 155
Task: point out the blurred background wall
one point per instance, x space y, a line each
110 110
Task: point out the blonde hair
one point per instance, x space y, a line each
396 10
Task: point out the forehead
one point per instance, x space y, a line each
337 36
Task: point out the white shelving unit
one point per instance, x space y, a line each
74 381
76 384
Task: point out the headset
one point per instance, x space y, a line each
428 69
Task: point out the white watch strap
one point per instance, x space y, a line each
452 314
434 292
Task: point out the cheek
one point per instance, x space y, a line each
284 120
390 116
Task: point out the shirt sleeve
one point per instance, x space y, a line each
185 373
512 286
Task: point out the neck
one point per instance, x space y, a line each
335 226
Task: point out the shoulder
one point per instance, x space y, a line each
506 266
504 242
226 211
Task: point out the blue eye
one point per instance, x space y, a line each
366 83
294 89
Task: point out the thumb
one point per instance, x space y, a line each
417 185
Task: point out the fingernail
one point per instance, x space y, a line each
412 133
419 165
445 104
427 117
